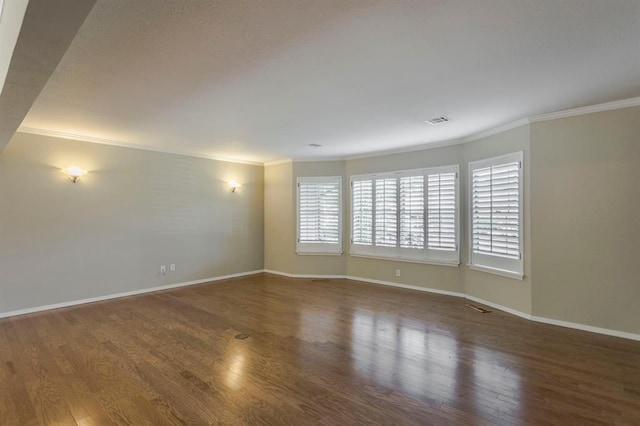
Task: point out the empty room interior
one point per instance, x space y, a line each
334 212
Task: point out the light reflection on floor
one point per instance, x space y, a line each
317 325
235 374
493 379
400 355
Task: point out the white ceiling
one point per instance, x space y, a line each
259 80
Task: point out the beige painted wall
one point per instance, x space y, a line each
439 277
111 231
136 210
581 227
586 219
509 292
326 264
279 219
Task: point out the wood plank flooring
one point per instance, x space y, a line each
329 352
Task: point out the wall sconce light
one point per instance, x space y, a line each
74 173
234 185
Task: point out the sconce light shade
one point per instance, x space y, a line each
234 185
74 173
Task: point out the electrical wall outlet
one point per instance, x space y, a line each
172 268
163 269
397 272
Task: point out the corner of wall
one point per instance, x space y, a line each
503 291
279 234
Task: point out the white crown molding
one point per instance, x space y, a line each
413 148
624 103
317 159
124 294
278 162
496 130
102 141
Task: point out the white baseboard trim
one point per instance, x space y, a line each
318 276
583 327
407 286
446 293
598 330
124 294
365 280
566 324
500 307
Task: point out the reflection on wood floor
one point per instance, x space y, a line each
319 352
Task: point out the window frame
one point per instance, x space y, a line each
494 263
319 248
423 255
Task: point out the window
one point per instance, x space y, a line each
319 215
408 215
496 214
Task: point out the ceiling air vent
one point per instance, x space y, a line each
438 120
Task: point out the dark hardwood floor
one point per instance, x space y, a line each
319 352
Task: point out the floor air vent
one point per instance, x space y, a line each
478 309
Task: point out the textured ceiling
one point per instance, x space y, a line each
259 80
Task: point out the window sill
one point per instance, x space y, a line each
495 271
403 259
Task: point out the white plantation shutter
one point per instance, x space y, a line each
319 215
412 212
362 212
441 208
386 212
442 215
408 215
496 210
496 213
